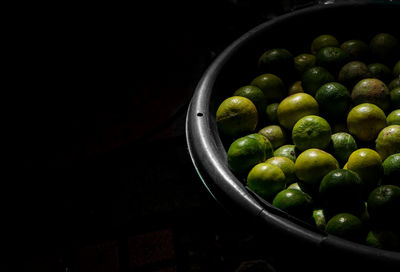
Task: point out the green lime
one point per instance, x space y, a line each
393 118
286 165
388 141
296 87
381 71
244 153
356 49
237 116
384 47
341 146
304 61
255 95
371 90
365 121
272 115
311 131
395 98
288 151
395 83
314 77
367 164
396 69
352 72
334 100
278 61
383 239
341 190
294 202
271 85
275 134
323 41
294 185
332 58
319 219
269 150
313 164
266 180
347 226
391 169
294 107
383 207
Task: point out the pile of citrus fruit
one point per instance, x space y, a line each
317 134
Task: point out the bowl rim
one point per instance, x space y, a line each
223 185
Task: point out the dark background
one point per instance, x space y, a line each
102 179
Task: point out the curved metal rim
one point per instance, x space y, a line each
201 144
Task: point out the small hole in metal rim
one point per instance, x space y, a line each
199 114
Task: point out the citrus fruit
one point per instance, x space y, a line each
288 151
371 90
286 165
294 107
395 98
275 134
395 83
391 169
315 77
319 219
367 164
365 121
294 185
356 49
237 116
341 190
266 180
347 226
383 207
271 85
396 69
304 61
383 239
334 100
244 153
255 95
311 131
277 61
341 146
384 46
296 87
381 71
271 111
313 164
331 58
294 202
322 41
352 72
269 150
393 118
388 141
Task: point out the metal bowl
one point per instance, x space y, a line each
233 68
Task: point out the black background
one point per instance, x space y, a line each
99 97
